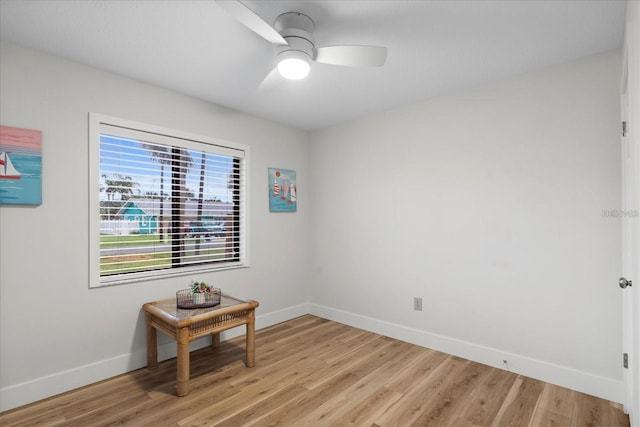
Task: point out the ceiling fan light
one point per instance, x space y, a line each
294 65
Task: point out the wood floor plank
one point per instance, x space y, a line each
617 417
251 386
385 363
555 407
452 398
424 390
305 403
348 361
420 368
311 371
370 408
520 403
485 400
256 412
591 411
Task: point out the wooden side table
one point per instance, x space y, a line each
186 325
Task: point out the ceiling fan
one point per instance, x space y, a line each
292 37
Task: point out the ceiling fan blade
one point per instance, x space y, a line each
272 80
352 56
249 19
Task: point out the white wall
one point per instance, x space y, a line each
55 332
488 205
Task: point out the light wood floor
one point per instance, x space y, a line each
310 371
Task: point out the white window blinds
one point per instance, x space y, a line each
167 204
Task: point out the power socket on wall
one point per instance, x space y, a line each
417 303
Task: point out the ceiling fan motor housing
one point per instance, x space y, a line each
296 28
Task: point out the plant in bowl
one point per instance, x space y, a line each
200 287
200 290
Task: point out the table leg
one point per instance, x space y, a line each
183 362
215 340
152 344
251 339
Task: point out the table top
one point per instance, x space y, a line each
168 308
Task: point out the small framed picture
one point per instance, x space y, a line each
283 190
20 166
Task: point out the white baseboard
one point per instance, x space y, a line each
40 388
605 388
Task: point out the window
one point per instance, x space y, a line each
163 202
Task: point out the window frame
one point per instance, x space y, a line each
96 124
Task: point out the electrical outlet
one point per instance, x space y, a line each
417 303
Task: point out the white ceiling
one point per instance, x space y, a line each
434 47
